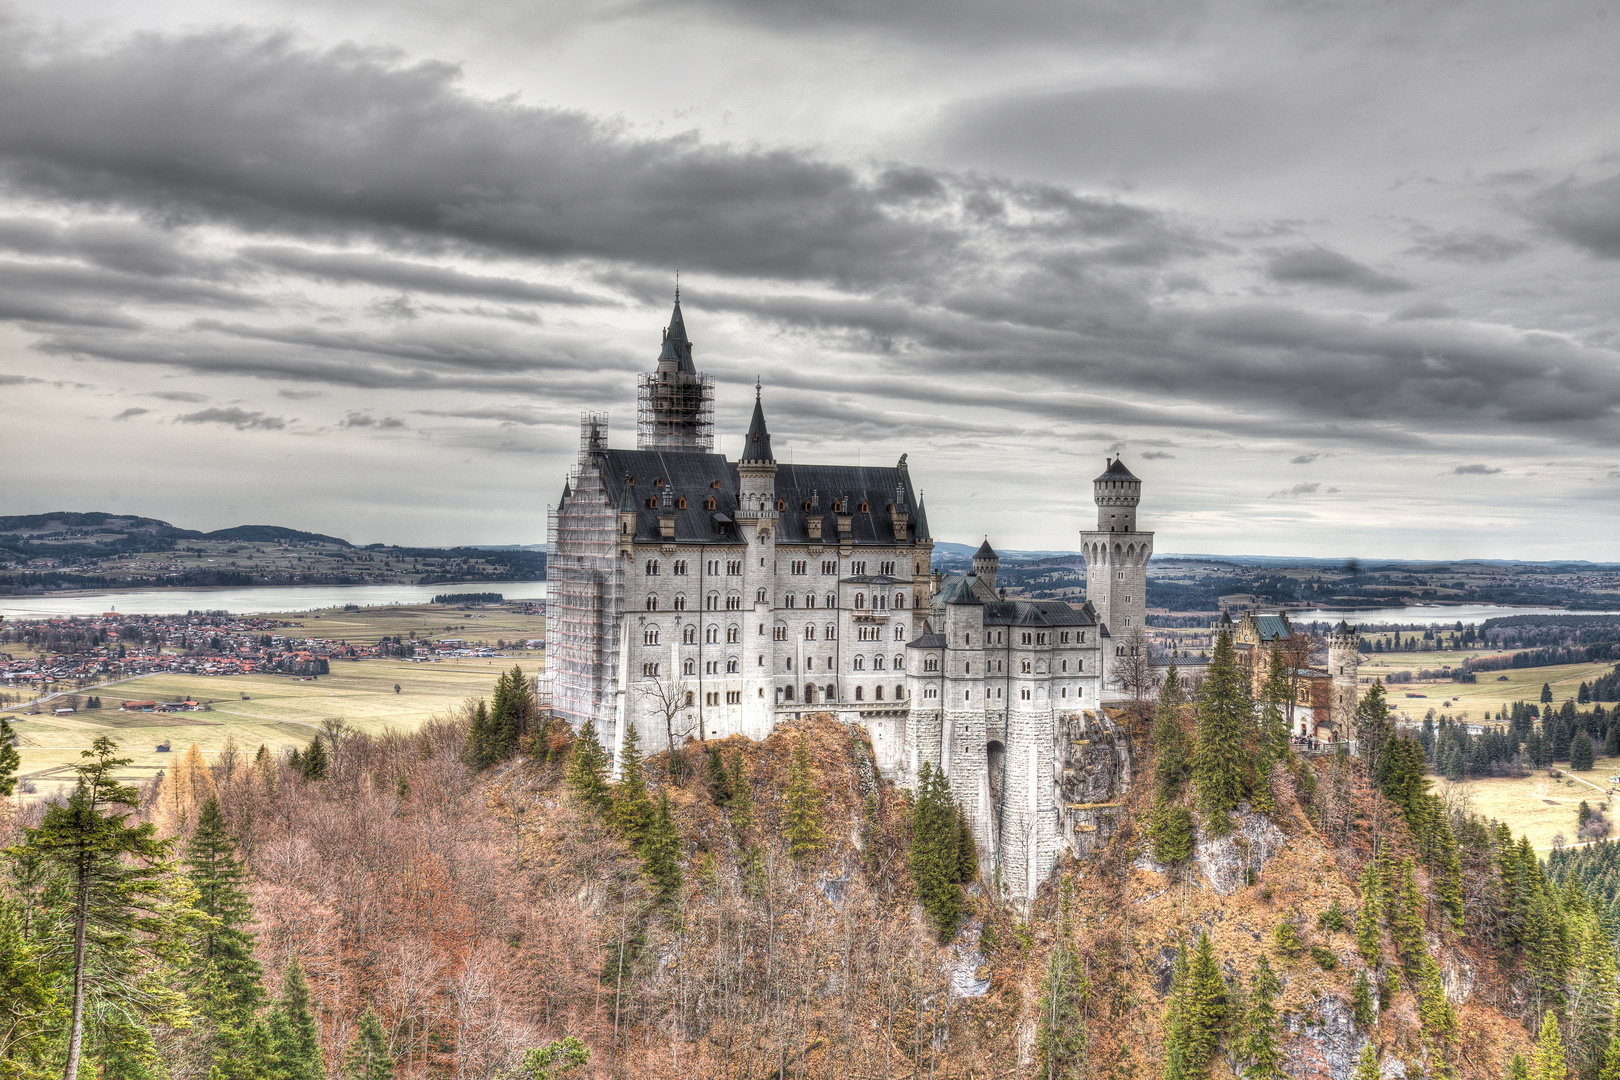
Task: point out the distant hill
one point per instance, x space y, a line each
269 534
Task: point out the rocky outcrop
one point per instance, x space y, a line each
1325 1041
1226 862
1096 765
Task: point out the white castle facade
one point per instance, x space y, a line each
699 598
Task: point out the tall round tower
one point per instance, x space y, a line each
1116 564
1344 663
986 563
1117 492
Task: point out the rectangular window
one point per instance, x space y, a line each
887 568
800 567
829 566
649 671
733 697
1040 639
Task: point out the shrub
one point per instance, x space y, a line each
1332 918
1324 957
1286 939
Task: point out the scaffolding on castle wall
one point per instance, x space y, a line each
583 594
674 411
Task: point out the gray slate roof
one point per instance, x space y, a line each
1117 471
699 477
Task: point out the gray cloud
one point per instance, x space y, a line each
1475 470
1466 246
1303 459
1424 309
1584 214
1156 455
133 410
1309 488
1323 266
187 396
366 420
347 267
240 419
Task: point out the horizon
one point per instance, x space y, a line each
1326 279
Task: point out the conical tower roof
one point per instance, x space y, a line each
1117 471
677 350
985 550
757 447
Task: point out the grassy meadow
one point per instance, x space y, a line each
282 711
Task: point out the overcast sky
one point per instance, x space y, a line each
1335 278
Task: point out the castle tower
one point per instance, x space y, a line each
1117 557
1344 661
986 564
756 525
675 402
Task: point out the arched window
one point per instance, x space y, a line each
810 632
1024 667
1024 693
781 504
652 568
652 602
680 602
810 599
649 636
710 504
860 663
859 693
732 665
930 691
899 631
877 692
899 599
831 632
787 691
899 661
689 636
689 699
899 693
832 599
712 602
759 596
680 564
689 667
712 634
931 663
831 692
733 633
790 600
877 663
860 600
809 693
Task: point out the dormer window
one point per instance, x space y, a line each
658 482
807 506
652 503
865 508
680 503
781 504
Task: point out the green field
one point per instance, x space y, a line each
281 711
1538 806
1493 691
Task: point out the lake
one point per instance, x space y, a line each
252 600
1426 614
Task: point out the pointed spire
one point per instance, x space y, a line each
922 521
757 446
677 354
566 495
627 495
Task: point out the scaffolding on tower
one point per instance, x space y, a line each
675 411
583 595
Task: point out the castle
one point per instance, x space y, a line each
697 597
1325 698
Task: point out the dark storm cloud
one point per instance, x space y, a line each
264 135
1323 266
240 419
350 267
1584 214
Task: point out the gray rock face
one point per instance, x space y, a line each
1095 763
967 970
1457 976
1225 861
1325 1041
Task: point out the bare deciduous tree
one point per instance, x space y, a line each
673 703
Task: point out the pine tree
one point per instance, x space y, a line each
1546 694
742 795
1435 1010
296 1040
1261 1026
1062 1037
31 1008
10 760
368 1057
1610 1069
1205 1008
1175 1019
1278 694
1548 1062
1171 830
632 811
510 709
1172 754
715 779
127 930
934 854
1517 1068
480 751
1361 1002
967 849
1221 763
315 760
1405 913
223 949
1372 904
1580 752
1367 1064
661 853
1372 727
587 770
803 818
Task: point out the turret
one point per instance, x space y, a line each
1344 662
986 564
675 402
1117 493
756 522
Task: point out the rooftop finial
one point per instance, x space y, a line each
757 385
677 286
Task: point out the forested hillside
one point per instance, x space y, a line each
480 899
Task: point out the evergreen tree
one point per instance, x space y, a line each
1361 1002
1611 738
552 1060
223 949
1260 1026
1367 1064
803 818
715 778
1548 1063
1517 1067
1172 754
509 713
1205 1008
1175 1020
368 1057
934 856
315 760
1405 913
1546 694
587 770
661 853
967 850
1372 727
632 811
1062 1037
742 795
1171 831
10 760
1433 1007
1610 1069
480 751
1222 767
296 1044
29 1004
128 932
1372 904
1580 752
